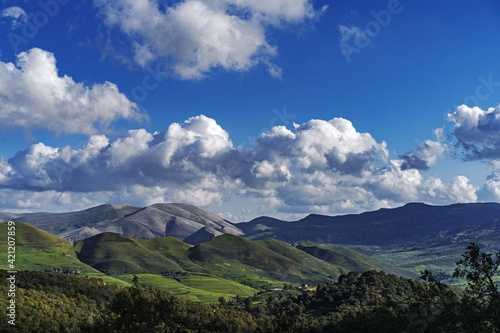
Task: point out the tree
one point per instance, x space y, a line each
135 281
481 301
479 269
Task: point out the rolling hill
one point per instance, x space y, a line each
117 254
412 237
251 263
224 260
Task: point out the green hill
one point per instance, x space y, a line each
38 250
260 264
161 262
118 254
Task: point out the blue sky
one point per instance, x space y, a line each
249 107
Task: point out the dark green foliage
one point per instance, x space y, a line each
477 309
481 300
370 302
479 269
139 309
53 302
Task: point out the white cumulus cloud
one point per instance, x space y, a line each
477 131
196 36
320 166
458 189
34 96
427 154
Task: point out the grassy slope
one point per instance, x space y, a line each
257 264
349 260
39 251
312 264
195 287
440 260
118 254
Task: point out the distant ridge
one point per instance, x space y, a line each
410 222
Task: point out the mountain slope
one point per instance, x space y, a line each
176 220
441 251
5 217
303 258
158 220
385 227
119 254
263 226
487 234
80 224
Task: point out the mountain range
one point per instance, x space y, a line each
193 225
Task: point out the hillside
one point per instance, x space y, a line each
117 254
440 251
251 263
158 262
409 239
350 260
38 250
486 234
203 235
258 264
5 217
